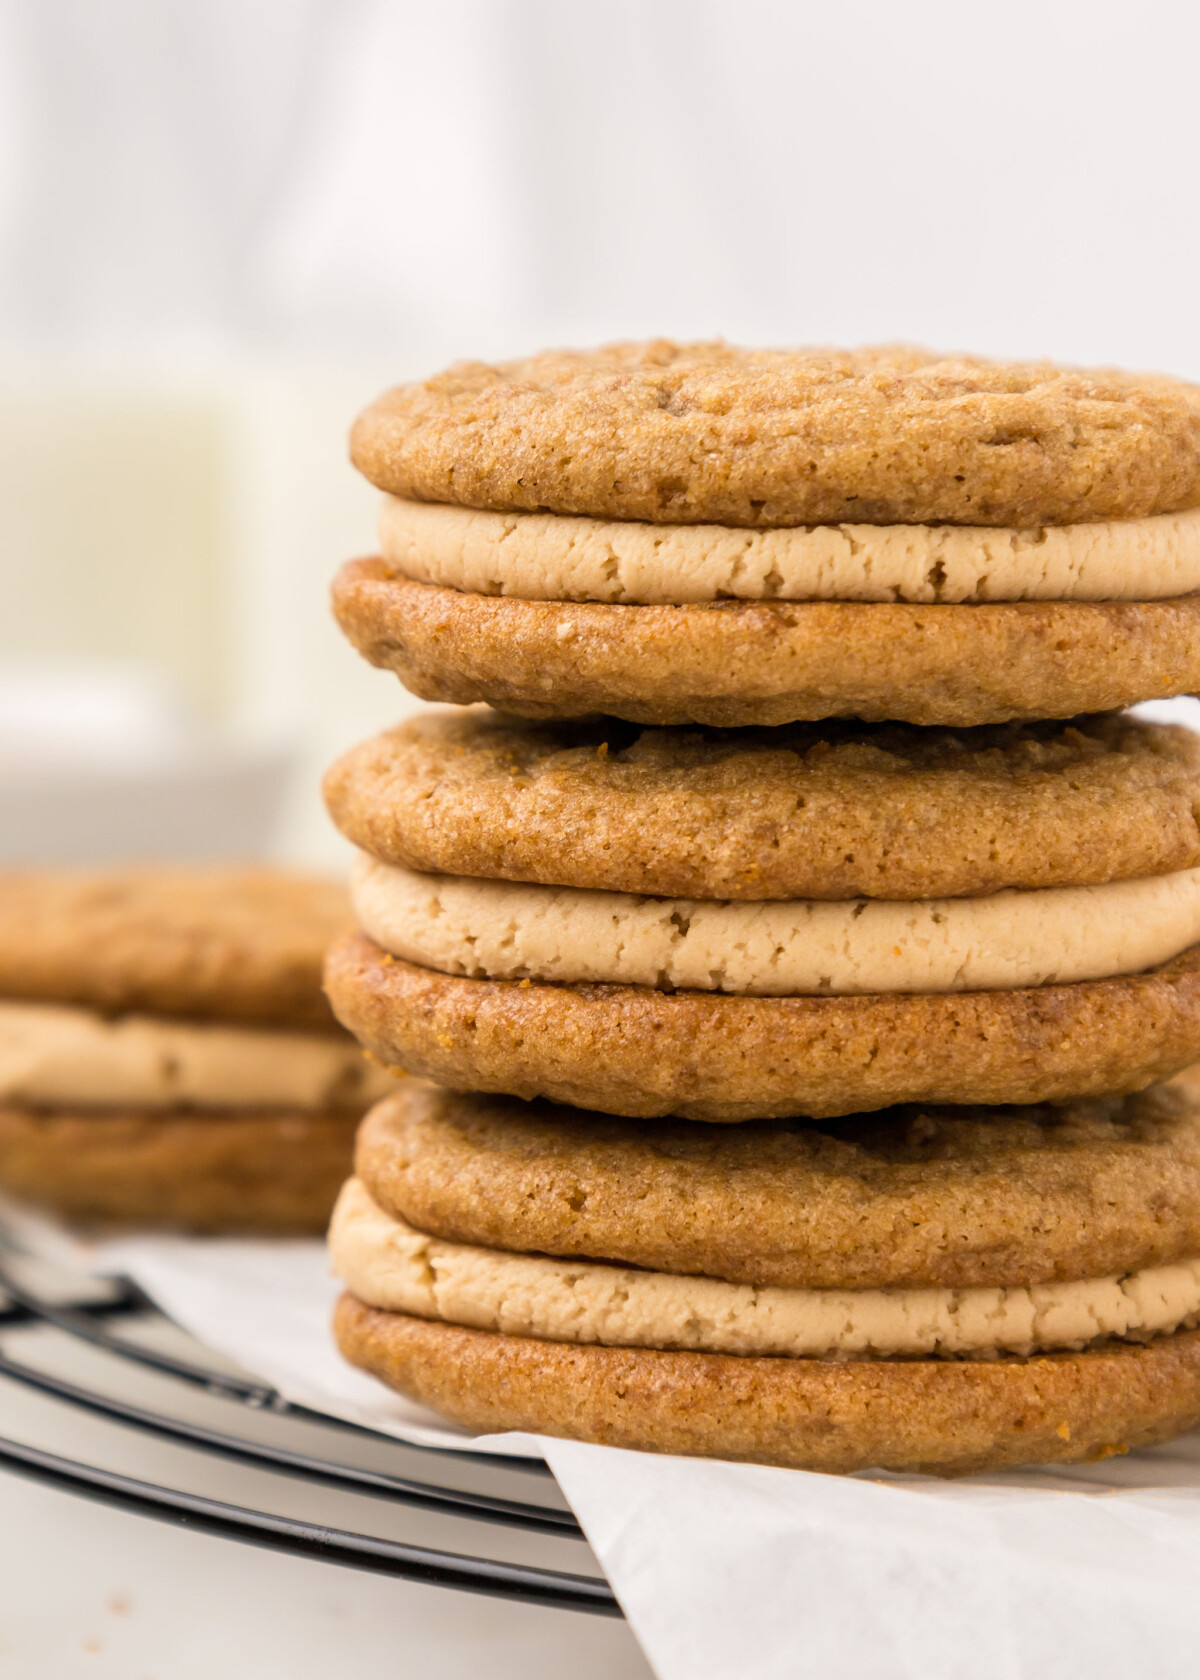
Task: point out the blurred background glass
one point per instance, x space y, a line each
225 224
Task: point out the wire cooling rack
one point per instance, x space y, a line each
93 1361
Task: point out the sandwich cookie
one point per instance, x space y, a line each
699 534
1031 950
799 1352
825 1005
388 1264
187 1072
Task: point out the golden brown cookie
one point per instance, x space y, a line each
213 943
710 1056
217 1170
916 1197
736 663
831 812
696 433
947 1417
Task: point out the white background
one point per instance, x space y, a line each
252 214
405 183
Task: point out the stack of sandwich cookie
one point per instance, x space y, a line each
981 889
167 1057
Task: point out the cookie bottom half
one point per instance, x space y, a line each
638 1051
268 1171
945 1417
731 663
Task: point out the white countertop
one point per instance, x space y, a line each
94 1593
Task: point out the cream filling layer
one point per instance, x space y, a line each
552 557
503 930
54 1055
389 1265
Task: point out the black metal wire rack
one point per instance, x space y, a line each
101 1350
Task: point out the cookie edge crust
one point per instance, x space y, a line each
732 664
827 1415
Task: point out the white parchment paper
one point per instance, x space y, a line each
738 1572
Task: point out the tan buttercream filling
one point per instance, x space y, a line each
51 1054
504 930
389 1265
552 557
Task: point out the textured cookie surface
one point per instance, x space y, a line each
706 1056
708 433
733 663
912 1198
951 1417
838 811
217 1170
213 943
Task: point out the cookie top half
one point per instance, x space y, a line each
708 433
826 810
233 944
912 1197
